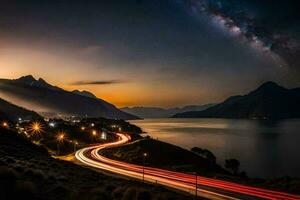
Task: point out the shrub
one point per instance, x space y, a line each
233 165
204 153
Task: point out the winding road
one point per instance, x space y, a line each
206 187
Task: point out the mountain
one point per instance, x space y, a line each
43 97
269 101
156 112
41 83
12 112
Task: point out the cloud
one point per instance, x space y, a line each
91 49
106 82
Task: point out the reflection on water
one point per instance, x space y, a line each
265 148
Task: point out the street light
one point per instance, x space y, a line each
5 124
75 144
60 138
94 134
36 127
144 159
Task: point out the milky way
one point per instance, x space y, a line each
241 19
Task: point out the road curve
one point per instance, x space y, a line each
207 187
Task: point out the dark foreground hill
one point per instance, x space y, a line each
13 112
269 101
163 155
41 96
28 172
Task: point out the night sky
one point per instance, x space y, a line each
153 52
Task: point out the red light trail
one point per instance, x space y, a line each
185 182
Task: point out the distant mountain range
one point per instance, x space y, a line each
269 101
12 112
43 97
156 112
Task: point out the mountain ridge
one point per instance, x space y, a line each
157 112
30 80
268 101
43 97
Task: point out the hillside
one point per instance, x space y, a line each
269 101
12 112
27 171
163 155
40 96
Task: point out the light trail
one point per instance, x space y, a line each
181 181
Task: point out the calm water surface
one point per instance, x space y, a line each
265 149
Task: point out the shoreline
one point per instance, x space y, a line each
251 142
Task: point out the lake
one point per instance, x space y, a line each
266 149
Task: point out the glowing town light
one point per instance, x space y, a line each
103 135
145 154
5 124
92 124
82 128
35 127
61 136
52 124
94 133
